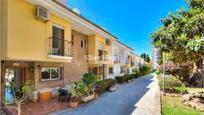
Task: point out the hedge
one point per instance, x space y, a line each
122 79
104 85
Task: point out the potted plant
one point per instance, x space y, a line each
90 79
78 89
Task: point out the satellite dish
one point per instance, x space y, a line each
76 10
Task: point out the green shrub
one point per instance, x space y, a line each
90 79
181 89
130 76
119 79
78 89
138 73
172 85
122 79
145 70
104 85
158 72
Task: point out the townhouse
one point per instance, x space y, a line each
123 60
52 45
139 62
155 57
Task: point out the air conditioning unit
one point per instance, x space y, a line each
42 13
108 42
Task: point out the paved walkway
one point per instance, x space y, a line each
140 97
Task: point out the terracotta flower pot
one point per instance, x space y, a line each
74 104
95 96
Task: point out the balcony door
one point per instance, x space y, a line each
58 40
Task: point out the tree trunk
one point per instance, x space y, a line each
19 108
197 77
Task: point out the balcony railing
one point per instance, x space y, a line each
116 59
59 47
103 55
132 64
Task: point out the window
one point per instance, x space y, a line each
93 70
128 59
110 71
50 73
122 70
100 45
72 39
128 71
83 43
115 52
57 40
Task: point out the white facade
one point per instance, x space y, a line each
139 62
122 54
155 57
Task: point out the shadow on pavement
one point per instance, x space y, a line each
120 102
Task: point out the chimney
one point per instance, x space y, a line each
64 2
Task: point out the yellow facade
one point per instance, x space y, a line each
25 37
3 24
131 60
0 25
93 47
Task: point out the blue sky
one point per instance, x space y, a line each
132 21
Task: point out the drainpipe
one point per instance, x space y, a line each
63 75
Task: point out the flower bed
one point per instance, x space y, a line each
172 85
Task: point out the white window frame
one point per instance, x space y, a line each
83 45
58 26
100 45
51 79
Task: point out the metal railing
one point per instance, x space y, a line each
132 64
116 59
59 47
103 55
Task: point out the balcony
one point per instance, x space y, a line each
128 60
59 48
116 59
103 55
132 64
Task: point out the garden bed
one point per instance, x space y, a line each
172 105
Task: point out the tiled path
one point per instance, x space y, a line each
43 108
123 101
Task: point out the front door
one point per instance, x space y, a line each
101 72
16 75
